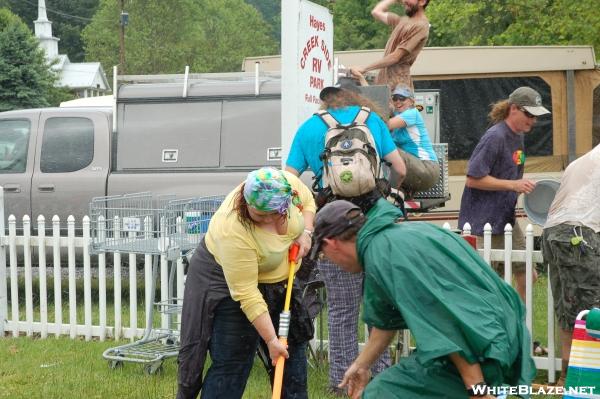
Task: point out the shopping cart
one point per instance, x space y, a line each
142 223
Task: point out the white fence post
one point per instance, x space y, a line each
41 223
87 279
487 243
3 286
529 277
508 253
57 275
14 281
28 277
102 278
72 277
467 229
148 272
117 279
132 290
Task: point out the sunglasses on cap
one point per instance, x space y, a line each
527 114
398 97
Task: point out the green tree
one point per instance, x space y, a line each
514 22
26 80
476 23
68 17
163 37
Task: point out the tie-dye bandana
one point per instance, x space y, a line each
267 190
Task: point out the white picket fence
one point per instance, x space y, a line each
13 324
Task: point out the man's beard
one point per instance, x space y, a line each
411 10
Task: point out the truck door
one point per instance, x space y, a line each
73 163
17 156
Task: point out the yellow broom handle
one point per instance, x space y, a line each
278 378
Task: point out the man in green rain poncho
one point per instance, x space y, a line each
468 324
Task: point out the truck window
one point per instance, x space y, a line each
465 104
14 142
67 145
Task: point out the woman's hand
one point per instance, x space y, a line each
356 379
304 241
276 349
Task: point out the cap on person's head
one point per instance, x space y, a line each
403 91
331 221
343 83
529 99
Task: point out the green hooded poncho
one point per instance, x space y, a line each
429 280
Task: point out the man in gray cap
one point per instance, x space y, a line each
495 174
469 325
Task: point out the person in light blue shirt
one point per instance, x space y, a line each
411 136
309 140
344 290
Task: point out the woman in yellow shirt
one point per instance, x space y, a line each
235 288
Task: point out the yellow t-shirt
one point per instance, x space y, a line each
252 256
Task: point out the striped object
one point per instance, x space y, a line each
584 362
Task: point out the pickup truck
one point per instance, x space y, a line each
53 161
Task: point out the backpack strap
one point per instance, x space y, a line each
327 118
362 116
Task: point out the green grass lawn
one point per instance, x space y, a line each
65 368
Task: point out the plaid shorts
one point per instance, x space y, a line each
574 271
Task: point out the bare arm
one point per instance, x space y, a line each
292 171
396 123
305 239
380 11
358 375
397 164
490 183
264 326
392 58
470 373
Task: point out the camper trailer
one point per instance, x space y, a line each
469 79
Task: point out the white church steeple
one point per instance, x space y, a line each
43 31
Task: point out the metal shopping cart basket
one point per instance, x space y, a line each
142 223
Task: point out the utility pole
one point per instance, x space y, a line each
124 20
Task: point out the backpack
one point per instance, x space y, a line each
350 159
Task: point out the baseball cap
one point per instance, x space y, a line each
403 91
332 220
343 84
529 99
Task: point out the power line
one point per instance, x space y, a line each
64 14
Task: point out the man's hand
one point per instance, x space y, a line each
524 186
356 379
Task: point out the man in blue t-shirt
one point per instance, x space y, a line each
495 173
344 290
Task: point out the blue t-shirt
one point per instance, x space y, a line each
309 140
500 153
414 138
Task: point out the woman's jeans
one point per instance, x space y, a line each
232 349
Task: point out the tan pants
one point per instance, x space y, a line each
420 175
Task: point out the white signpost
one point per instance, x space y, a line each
306 64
